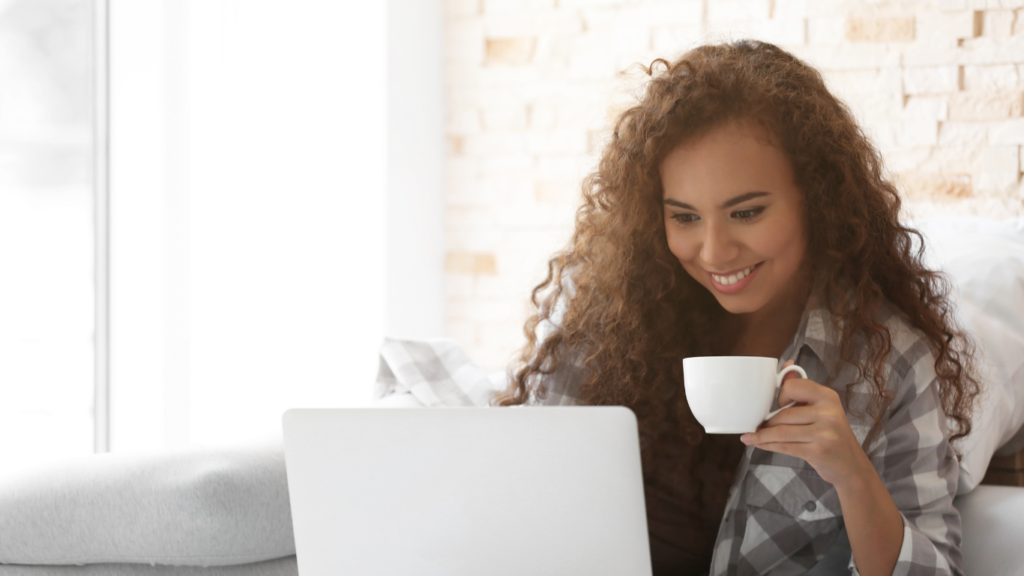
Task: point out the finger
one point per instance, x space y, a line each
803 391
801 434
787 448
796 415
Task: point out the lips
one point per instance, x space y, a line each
735 281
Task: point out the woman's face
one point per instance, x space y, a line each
734 216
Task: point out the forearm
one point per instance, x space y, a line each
873 522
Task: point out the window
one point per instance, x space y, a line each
48 154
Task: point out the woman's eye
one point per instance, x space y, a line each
685 218
747 214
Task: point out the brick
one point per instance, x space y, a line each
589 59
541 115
509 288
928 54
818 8
986 104
560 166
460 179
494 143
726 10
464 40
460 285
788 32
907 160
673 41
931 80
463 332
463 121
847 56
462 7
918 132
1007 132
897 29
878 92
510 194
987 77
503 115
591 3
474 238
482 310
926 108
937 187
789 9
953 160
556 191
673 13
883 133
999 170
455 145
987 50
513 24
503 6
558 141
946 28
510 51
826 30
1018 22
998 23
608 19
962 134
505 167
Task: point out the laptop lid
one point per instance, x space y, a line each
466 491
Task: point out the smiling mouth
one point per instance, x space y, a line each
730 279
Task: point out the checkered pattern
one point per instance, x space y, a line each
436 372
781 517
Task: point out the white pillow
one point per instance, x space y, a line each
985 260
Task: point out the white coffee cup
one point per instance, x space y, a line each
733 394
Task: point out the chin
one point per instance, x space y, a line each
738 304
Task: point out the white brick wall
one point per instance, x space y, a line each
533 86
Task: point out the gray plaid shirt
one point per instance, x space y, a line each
782 517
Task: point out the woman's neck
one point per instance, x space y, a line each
768 331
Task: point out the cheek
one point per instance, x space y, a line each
680 244
787 248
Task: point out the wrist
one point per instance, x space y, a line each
861 480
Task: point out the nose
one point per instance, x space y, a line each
719 247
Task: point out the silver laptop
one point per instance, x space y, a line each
466 491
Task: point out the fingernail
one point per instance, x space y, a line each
745 438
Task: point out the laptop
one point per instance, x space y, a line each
466 491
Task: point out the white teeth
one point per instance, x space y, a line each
730 280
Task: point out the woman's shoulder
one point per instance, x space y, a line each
912 357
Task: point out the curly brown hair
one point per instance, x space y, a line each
632 312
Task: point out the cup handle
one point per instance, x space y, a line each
778 386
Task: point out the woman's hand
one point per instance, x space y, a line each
816 429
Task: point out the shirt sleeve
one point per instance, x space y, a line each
920 469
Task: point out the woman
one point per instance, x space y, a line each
739 210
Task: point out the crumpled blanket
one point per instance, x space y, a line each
436 372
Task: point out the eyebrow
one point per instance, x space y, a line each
727 204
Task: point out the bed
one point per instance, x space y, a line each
225 511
